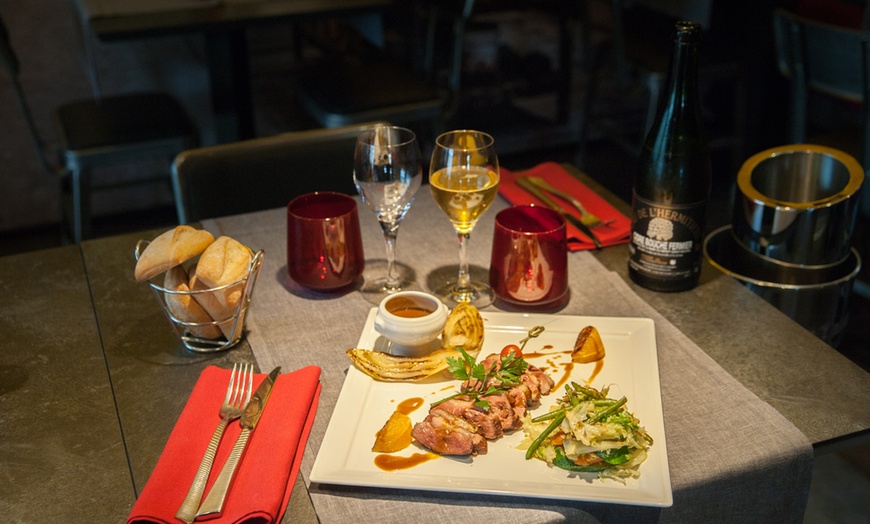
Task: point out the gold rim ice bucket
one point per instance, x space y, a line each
797 205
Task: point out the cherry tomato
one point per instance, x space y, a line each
512 348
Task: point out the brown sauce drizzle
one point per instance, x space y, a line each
406 407
528 355
598 365
568 368
389 462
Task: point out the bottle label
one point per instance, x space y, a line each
666 240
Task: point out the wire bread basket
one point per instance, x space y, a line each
228 321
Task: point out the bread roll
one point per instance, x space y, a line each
222 314
170 249
223 262
184 307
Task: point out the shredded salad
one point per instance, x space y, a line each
587 432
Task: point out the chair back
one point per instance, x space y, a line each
7 55
820 57
344 88
263 173
828 59
12 67
457 12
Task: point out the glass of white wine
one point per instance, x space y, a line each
463 177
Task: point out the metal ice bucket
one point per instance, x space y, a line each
797 204
816 298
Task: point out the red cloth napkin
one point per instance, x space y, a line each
269 467
615 233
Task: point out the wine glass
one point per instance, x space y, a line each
387 172
463 177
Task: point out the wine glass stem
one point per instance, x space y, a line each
463 281
393 282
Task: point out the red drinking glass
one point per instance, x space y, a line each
324 245
529 265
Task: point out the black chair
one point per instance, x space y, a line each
819 58
263 173
626 74
828 62
113 130
373 85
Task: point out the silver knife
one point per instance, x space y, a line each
534 190
214 501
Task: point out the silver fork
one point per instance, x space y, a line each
237 397
586 217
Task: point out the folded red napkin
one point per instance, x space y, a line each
615 233
269 467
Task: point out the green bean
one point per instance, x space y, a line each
609 411
588 392
546 433
549 416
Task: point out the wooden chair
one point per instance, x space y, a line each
832 61
113 130
263 173
345 90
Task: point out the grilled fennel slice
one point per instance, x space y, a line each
393 368
464 328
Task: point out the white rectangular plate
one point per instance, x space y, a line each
630 368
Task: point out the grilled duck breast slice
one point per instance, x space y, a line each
448 434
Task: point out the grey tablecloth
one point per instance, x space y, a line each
732 457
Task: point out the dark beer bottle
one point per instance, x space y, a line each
673 179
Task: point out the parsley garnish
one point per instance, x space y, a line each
480 381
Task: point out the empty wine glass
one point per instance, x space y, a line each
463 177
387 172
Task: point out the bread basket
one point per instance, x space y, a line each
231 322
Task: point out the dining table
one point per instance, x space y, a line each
224 24
93 380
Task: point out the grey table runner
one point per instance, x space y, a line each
732 457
